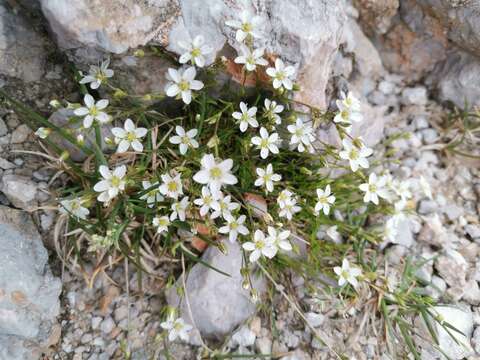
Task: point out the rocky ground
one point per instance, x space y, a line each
407 62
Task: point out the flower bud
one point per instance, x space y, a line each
139 53
64 156
55 104
42 132
119 94
80 139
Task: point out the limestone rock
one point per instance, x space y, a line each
376 15
218 302
29 294
22 53
20 191
457 80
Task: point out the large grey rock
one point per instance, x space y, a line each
22 53
21 191
89 27
460 18
458 79
218 303
29 294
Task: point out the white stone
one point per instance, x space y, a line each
414 96
20 191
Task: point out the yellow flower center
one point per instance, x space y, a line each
172 186
195 52
264 143
280 75
215 172
185 140
131 136
184 85
233 226
372 188
260 244
115 181
354 154
247 27
93 110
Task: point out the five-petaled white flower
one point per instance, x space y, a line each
215 174
260 246
206 201
374 188
325 200
402 189
171 186
251 58
153 195
356 156
74 207
223 206
179 209
272 109
182 82
97 75
281 74
247 25
177 328
42 132
246 117
266 143
302 135
284 197
129 137
113 182
195 51
266 177
289 208
347 273
348 109
279 238
185 139
91 111
161 223
234 227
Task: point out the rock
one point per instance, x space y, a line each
462 321
430 136
452 267
457 79
476 340
404 235
298 354
473 231
30 294
376 16
20 191
264 345
22 53
316 320
107 325
6 165
244 337
20 134
472 293
88 28
218 302
3 128
437 287
460 18
414 96
64 119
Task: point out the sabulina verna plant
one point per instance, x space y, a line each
237 166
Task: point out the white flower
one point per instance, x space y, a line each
176 329
182 82
425 186
179 209
97 75
234 227
206 201
260 246
374 188
357 156
161 223
246 117
251 58
284 197
266 143
272 109
42 132
171 186
266 177
129 136
402 189
91 111
346 273
289 208
113 182
185 139
223 206
279 238
195 51
325 199
302 135
215 174
74 207
247 25
281 75
153 195
349 109
391 231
